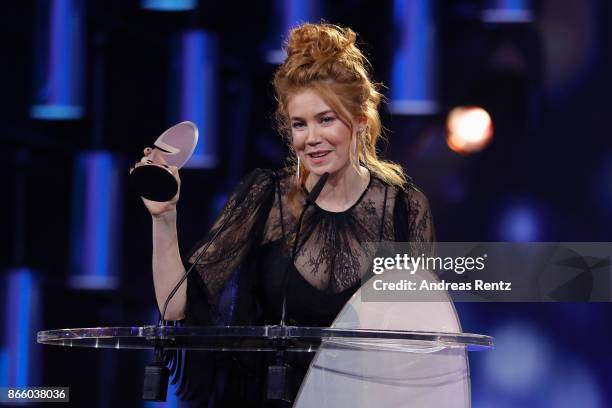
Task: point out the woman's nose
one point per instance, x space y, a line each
313 138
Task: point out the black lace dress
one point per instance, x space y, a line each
239 281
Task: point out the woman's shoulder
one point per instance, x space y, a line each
411 213
263 178
414 192
263 182
268 175
407 190
283 178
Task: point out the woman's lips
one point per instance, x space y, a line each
318 157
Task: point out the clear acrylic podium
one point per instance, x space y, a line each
383 354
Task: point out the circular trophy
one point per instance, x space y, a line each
174 147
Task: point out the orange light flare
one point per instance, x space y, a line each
469 129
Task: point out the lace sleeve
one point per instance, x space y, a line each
242 230
413 220
214 296
420 226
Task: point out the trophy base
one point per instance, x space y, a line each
154 182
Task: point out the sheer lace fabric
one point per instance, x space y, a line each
331 256
239 278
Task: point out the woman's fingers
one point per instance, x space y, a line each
149 158
142 162
175 172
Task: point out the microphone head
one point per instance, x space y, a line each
316 190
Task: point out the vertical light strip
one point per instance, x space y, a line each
413 76
21 324
290 13
507 11
169 5
95 222
198 98
59 62
4 368
296 12
98 168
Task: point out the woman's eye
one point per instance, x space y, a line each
327 119
297 125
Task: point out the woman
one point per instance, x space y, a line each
327 110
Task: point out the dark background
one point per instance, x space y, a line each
546 85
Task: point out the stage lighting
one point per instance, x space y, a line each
19 364
289 14
519 223
169 5
195 95
524 351
507 11
469 128
59 61
95 221
576 385
413 75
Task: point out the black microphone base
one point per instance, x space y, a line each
155 382
280 383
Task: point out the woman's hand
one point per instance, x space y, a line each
159 209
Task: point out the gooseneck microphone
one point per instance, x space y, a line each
240 196
156 374
280 378
310 200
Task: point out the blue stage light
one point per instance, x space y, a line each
169 5
575 386
291 13
507 11
521 362
195 61
96 217
56 112
21 325
519 223
413 75
59 62
4 368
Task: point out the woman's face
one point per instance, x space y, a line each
320 138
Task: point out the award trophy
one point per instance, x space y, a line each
174 147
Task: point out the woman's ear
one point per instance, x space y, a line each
362 122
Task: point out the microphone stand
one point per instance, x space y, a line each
156 374
280 374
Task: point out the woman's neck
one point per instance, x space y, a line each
342 188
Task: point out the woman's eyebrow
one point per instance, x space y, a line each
325 112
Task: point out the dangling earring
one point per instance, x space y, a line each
364 146
359 141
297 172
354 156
